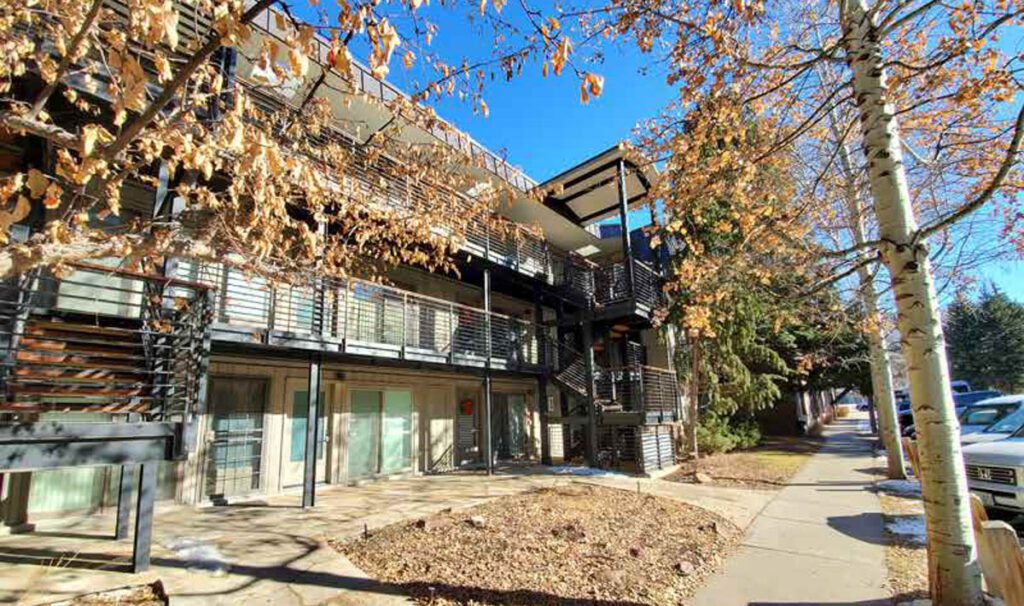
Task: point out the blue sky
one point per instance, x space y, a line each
539 124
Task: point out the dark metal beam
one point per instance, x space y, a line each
542 387
312 422
124 502
613 207
54 444
627 246
586 190
590 439
562 209
590 173
144 517
488 438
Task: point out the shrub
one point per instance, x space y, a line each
716 434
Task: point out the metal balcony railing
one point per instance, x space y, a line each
611 285
102 340
641 389
364 318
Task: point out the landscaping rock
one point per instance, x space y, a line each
702 478
477 521
685 568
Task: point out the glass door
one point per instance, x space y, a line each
363 431
235 446
379 432
297 409
516 426
396 432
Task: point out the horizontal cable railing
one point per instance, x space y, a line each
102 340
611 284
641 389
365 318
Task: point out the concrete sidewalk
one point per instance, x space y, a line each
819 541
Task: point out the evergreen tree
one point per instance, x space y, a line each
985 341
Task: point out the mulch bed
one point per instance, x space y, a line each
567 546
769 465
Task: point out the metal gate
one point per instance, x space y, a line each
235 450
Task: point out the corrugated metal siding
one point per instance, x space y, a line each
464 427
556 440
658 447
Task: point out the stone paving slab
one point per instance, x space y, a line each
276 552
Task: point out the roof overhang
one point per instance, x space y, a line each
589 191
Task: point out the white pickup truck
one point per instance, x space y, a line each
995 472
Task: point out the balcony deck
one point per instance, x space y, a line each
364 320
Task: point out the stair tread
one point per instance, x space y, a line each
47 337
81 351
33 378
77 327
30 358
108 407
65 391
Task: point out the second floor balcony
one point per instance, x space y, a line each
363 318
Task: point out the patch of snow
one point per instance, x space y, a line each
199 555
910 527
581 470
900 487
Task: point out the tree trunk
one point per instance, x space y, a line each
952 561
694 396
883 398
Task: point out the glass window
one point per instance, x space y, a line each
1008 424
300 411
981 416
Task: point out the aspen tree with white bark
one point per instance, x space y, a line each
939 80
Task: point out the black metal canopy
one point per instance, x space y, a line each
589 191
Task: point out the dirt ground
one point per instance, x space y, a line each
768 465
906 559
565 546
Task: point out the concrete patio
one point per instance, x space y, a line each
273 551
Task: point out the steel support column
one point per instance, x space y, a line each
627 247
312 422
590 440
144 516
488 438
542 383
14 504
124 502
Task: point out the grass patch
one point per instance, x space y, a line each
769 465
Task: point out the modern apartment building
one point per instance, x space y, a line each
540 349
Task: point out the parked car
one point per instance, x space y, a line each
1003 427
995 471
975 411
960 386
969 398
977 416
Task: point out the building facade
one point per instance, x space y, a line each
541 349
